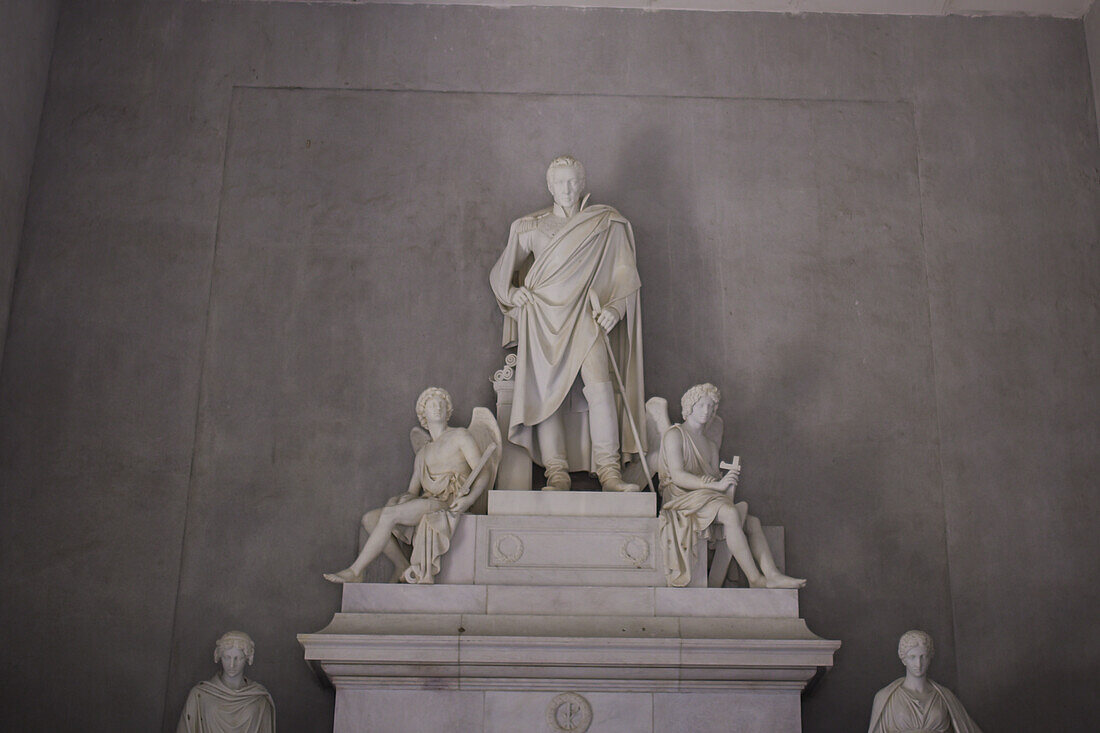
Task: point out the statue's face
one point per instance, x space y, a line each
234 661
435 409
566 186
704 409
917 660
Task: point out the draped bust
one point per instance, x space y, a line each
229 702
914 703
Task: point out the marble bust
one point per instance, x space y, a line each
914 703
451 469
696 495
229 702
557 262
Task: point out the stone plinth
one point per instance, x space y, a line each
551 614
561 538
496 658
573 504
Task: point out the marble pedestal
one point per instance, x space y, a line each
551 622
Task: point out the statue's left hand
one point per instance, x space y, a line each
607 319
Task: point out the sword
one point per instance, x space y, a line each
596 310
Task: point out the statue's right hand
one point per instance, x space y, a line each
522 297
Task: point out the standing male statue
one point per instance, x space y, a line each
556 259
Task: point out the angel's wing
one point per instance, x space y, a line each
486 432
656 423
419 438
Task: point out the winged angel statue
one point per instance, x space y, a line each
452 468
696 494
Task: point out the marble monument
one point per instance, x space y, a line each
564 609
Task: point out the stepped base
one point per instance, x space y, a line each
511 658
551 614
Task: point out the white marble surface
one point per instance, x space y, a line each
457 565
515 711
550 600
744 712
471 559
573 503
620 653
403 598
526 600
514 472
512 712
726 602
598 551
408 711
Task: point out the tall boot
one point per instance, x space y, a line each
557 474
604 428
552 444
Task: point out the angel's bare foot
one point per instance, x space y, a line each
344 576
778 580
783 581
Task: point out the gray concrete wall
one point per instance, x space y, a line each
257 230
26 42
1092 36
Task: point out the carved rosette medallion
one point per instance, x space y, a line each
569 713
507 549
635 549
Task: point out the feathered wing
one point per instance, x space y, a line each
656 423
486 432
419 438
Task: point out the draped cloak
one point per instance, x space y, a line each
894 712
592 252
431 537
686 512
212 707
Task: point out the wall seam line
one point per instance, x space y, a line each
166 718
17 255
570 93
937 400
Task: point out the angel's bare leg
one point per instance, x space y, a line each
408 514
738 545
391 550
762 552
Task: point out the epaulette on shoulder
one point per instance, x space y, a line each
531 221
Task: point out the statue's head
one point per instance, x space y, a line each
700 395
433 401
234 650
565 179
915 650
